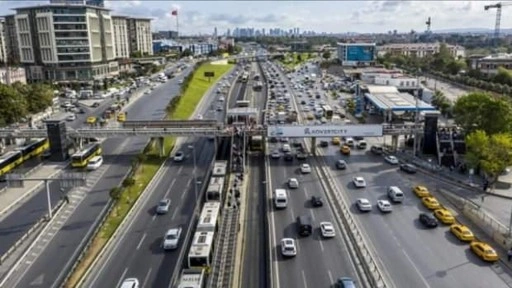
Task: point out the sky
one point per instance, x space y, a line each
200 17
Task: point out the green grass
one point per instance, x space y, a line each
197 88
292 59
147 169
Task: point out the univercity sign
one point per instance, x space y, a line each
325 131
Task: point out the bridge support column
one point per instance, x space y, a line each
161 146
80 143
313 146
394 142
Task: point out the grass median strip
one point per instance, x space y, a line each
147 164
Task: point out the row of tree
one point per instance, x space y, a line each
487 122
18 101
173 104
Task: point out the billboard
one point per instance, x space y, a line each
360 53
325 131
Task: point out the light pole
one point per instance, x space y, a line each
192 148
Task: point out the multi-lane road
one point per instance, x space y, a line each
411 255
57 257
139 254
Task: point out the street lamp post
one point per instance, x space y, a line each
192 148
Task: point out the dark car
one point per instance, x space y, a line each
324 143
345 282
288 156
95 104
358 138
408 168
296 144
341 165
428 220
317 201
377 150
302 156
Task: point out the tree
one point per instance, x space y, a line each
115 193
442 103
491 153
186 53
299 58
136 54
39 98
479 111
326 55
12 105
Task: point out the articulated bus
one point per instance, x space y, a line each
34 148
328 112
256 143
200 254
215 189
209 218
81 159
192 278
245 76
9 161
243 103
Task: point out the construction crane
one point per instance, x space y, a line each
429 22
498 17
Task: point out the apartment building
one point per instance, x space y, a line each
3 51
419 50
11 40
489 65
66 42
121 39
140 36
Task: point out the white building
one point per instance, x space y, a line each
140 36
66 42
419 50
3 38
489 65
12 75
121 39
397 80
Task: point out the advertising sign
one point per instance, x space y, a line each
325 131
360 53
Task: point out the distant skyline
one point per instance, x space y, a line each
200 17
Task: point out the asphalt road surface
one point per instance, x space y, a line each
117 154
139 253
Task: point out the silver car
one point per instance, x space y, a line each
163 206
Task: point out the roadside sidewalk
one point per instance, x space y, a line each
12 198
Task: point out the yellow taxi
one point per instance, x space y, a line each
121 117
462 232
91 120
445 216
430 202
421 191
345 150
484 251
310 116
336 141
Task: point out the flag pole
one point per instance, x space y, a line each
177 25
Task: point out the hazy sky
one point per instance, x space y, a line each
321 16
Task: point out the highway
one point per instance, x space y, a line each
412 256
314 265
139 253
254 244
118 153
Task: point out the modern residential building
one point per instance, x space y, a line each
419 50
11 40
66 42
489 65
11 75
121 39
141 38
357 54
3 50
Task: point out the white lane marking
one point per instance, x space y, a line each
331 280
321 244
146 278
170 187
312 214
306 192
174 213
179 170
273 230
122 277
141 240
293 214
416 269
304 279
154 217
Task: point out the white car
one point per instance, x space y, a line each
275 154
95 163
384 206
288 247
171 239
71 117
359 182
293 183
327 229
391 160
305 168
179 156
130 283
364 205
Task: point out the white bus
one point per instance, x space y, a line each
192 278
214 190
209 218
201 251
219 168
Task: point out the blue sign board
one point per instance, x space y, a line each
360 53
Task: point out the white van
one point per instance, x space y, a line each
395 194
362 144
280 198
350 142
95 163
287 148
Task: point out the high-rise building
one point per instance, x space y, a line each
11 40
140 36
66 42
3 52
121 39
99 3
215 32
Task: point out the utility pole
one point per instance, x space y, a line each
417 114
